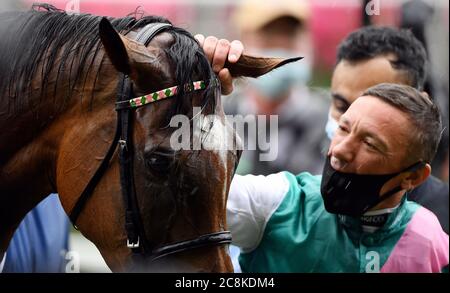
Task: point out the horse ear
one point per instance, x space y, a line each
114 46
256 66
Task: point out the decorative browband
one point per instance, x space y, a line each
159 95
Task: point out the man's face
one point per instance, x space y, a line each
372 138
351 79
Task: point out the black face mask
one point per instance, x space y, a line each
353 194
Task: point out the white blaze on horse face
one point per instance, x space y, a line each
216 137
211 132
234 138
214 134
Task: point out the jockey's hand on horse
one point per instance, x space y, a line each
218 51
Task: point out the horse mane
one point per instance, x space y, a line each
52 41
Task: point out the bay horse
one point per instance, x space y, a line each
60 79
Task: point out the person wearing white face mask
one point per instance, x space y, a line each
280 29
280 83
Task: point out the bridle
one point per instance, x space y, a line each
125 106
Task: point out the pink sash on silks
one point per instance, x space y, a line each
423 247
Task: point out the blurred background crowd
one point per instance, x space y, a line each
299 93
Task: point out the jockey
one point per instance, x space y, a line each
356 216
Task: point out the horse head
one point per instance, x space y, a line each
173 215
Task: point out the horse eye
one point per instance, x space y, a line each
159 162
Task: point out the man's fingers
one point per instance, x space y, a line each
236 49
226 81
218 52
220 55
200 38
209 46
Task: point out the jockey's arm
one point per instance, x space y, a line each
251 202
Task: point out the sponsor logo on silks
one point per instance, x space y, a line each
376 220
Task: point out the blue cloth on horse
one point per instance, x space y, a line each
40 243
